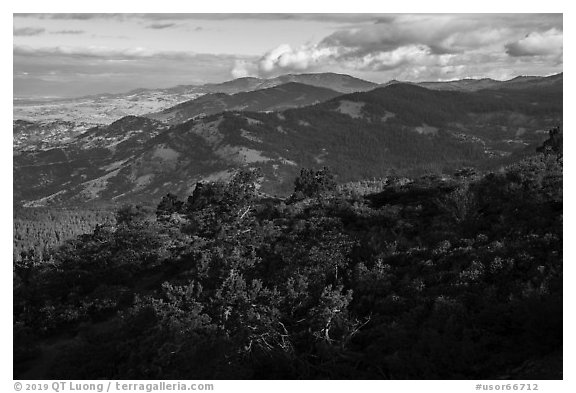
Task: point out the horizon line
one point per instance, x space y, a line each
64 98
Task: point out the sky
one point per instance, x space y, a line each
68 55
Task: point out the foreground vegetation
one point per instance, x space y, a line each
450 278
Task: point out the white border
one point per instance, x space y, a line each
355 6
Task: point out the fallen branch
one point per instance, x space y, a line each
246 212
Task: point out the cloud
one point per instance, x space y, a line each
421 46
327 18
160 26
312 58
405 55
28 31
285 59
441 33
168 25
74 32
243 68
102 52
317 17
377 47
537 44
68 16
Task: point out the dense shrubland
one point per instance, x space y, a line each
438 277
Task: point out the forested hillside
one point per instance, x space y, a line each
38 230
454 277
400 129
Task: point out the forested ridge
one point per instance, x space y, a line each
452 277
400 129
38 230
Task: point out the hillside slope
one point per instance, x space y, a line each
106 108
453 278
288 95
399 129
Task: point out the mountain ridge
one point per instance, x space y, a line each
106 108
284 96
472 84
400 128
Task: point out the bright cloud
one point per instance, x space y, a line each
537 44
424 47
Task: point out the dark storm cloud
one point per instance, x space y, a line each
28 31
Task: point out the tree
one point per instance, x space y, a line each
312 183
553 145
131 215
168 205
